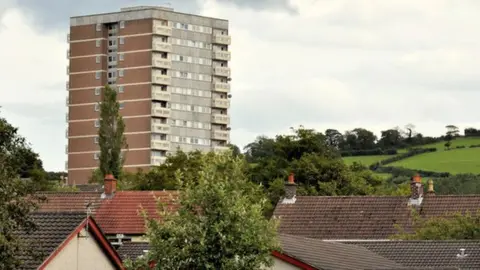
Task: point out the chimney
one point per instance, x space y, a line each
416 187
110 185
430 191
290 190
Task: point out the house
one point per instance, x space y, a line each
117 212
67 240
363 217
427 254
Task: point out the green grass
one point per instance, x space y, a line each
454 161
365 160
457 142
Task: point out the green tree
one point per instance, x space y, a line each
452 132
219 223
450 227
16 197
111 137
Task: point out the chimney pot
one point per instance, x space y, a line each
291 178
290 190
430 187
110 185
416 187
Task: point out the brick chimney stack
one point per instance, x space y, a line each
416 187
290 190
110 185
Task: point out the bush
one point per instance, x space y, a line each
400 171
369 152
474 146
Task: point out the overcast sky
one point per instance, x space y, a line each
319 63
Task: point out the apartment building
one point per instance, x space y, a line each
171 72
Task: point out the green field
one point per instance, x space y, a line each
460 141
454 161
365 160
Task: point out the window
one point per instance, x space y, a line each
122 24
121 56
112 42
97 123
95 140
122 40
97 42
122 105
120 73
97 59
97 91
99 27
97 75
121 89
97 107
96 155
183 74
112 58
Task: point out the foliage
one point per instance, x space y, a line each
471 132
400 171
111 137
219 223
369 152
410 153
16 196
457 184
451 227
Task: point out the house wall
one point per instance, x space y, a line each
81 253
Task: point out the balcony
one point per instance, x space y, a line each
221 71
157 161
161 112
159 62
160 46
220 119
161 29
221 87
159 78
221 39
220 148
160 145
222 103
220 135
221 55
161 128
160 95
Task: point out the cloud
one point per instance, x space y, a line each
319 63
33 76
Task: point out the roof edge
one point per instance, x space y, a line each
291 260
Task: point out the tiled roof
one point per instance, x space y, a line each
132 250
361 217
52 229
331 255
343 217
121 213
428 254
89 187
70 201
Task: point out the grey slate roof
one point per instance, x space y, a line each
132 250
52 229
427 254
333 255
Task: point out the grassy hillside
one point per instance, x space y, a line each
454 161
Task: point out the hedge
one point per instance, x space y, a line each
411 153
369 152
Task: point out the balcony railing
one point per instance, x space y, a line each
221 39
221 71
221 87
159 62
221 103
220 119
161 46
161 29
160 145
161 79
161 128
160 95
157 161
220 135
221 55
220 148
161 112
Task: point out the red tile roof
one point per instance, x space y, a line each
121 213
69 201
362 217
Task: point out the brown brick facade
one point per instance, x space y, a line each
139 91
134 141
85 128
86 160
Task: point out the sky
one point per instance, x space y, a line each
322 64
